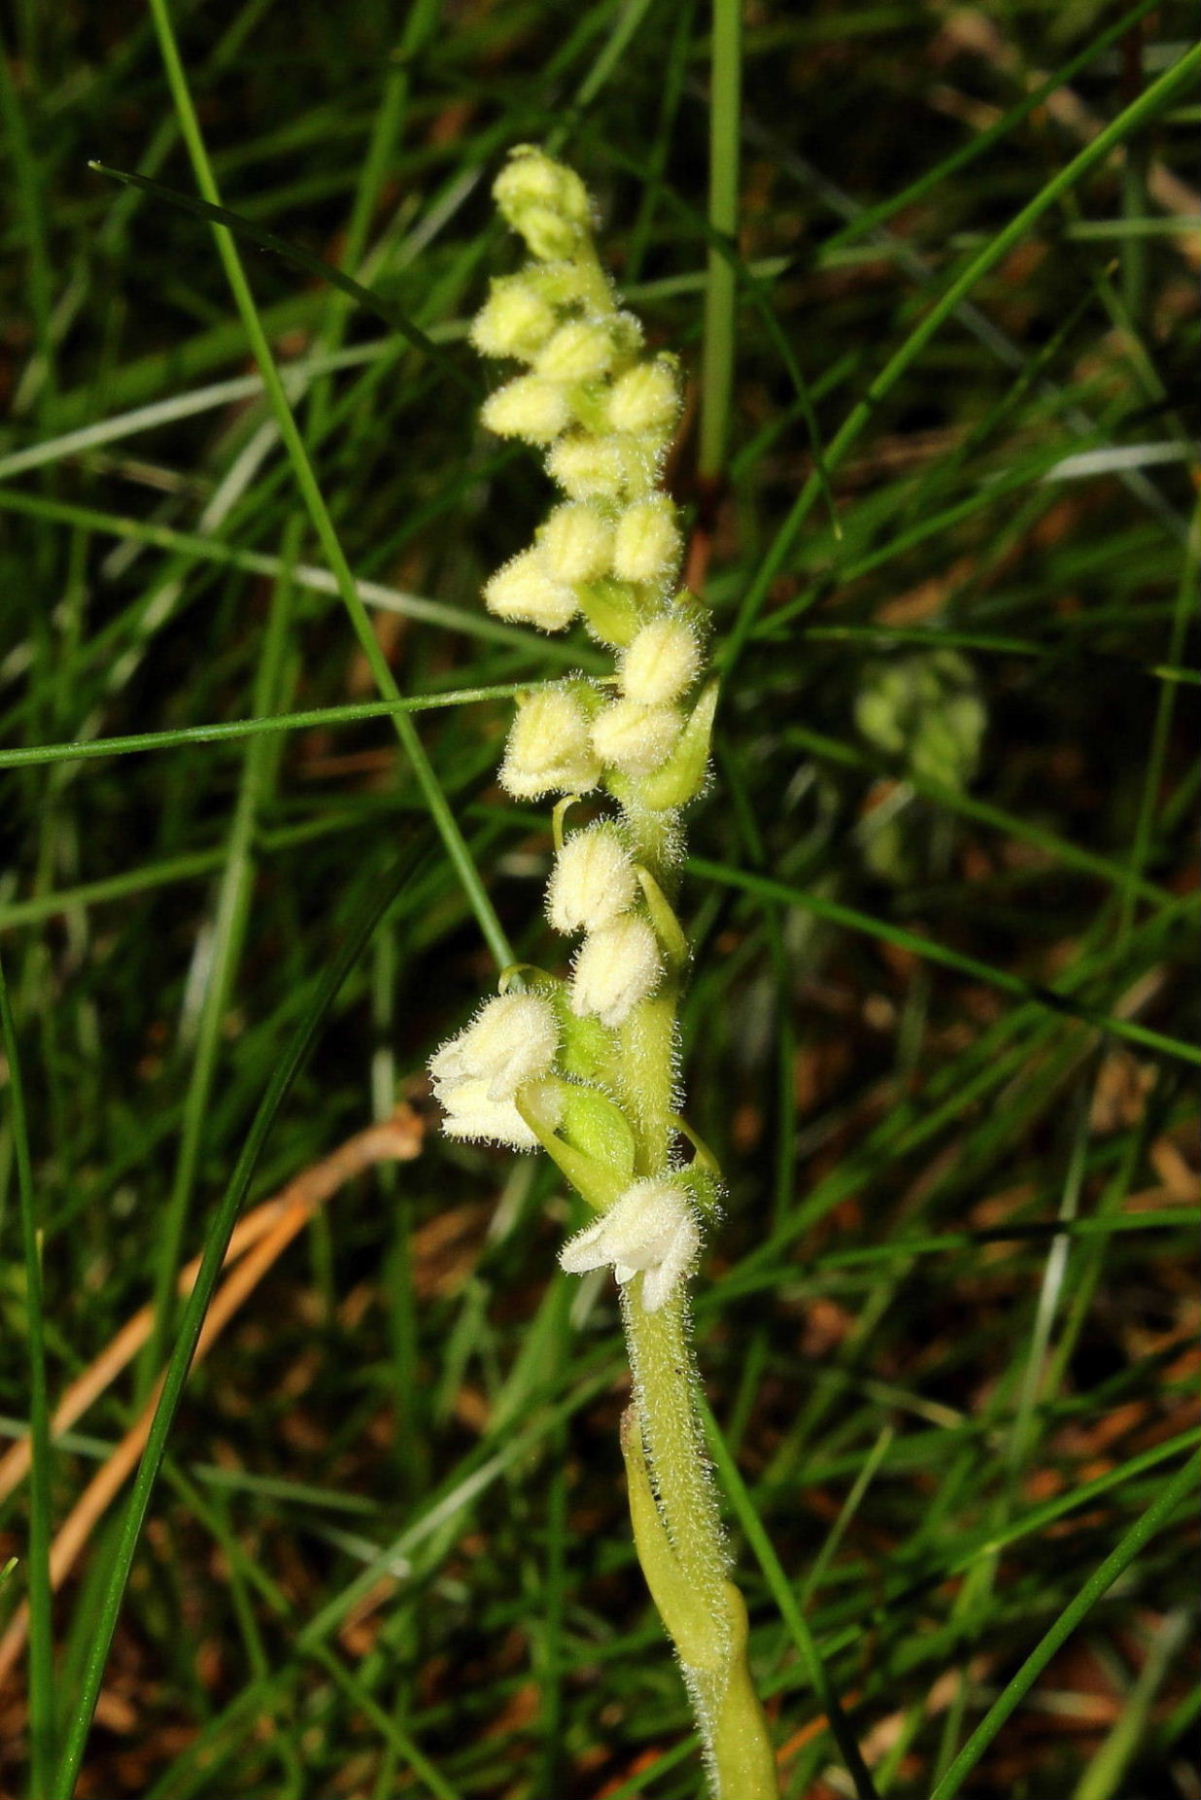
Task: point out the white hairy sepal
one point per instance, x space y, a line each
652 1230
662 662
647 542
528 407
544 201
576 543
646 399
592 883
616 968
523 589
580 350
635 739
550 745
512 1040
471 1114
515 320
588 467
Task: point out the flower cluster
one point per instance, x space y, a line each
546 1067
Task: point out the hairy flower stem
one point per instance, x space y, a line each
675 1514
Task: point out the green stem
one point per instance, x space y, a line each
724 125
673 1497
682 1549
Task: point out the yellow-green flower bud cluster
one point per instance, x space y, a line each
608 554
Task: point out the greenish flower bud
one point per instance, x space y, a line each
647 542
578 351
589 468
514 321
576 543
527 407
523 590
662 662
544 201
635 739
550 746
646 398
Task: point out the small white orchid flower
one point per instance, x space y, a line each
636 738
615 968
523 589
592 883
647 543
550 747
511 1040
651 1230
662 662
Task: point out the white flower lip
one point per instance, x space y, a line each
592 883
470 1114
616 967
651 1230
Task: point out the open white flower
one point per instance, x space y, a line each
651 1230
616 968
511 1040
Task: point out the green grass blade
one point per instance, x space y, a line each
312 265
1136 1539
725 120
1130 120
291 1061
41 1519
794 1618
315 503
